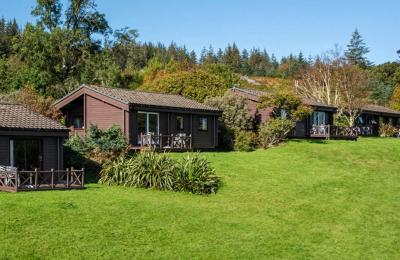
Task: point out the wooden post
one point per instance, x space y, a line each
36 178
71 179
83 178
172 140
329 132
67 177
52 178
160 136
16 181
190 141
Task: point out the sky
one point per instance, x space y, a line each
281 27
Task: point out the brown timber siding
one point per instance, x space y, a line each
52 153
4 150
103 114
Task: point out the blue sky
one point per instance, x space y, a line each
281 27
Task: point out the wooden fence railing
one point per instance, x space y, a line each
332 131
177 141
13 180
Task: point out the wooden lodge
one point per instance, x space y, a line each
320 123
161 121
31 152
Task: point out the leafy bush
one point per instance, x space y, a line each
149 169
195 175
98 147
274 131
387 130
146 170
195 84
111 140
245 141
235 111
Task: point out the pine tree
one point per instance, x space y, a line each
356 50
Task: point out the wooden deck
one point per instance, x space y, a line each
334 132
14 181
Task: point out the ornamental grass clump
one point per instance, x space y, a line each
149 169
195 175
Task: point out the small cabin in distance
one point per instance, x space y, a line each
163 121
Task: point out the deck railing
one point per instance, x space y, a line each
332 131
177 141
366 130
13 180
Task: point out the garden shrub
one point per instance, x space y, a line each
274 131
98 147
245 141
195 175
387 130
149 169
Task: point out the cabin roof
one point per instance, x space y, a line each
16 116
141 98
380 109
259 93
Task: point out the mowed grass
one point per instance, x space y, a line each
328 199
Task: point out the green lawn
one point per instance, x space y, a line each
335 199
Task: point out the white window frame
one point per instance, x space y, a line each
319 118
180 125
200 124
148 121
11 153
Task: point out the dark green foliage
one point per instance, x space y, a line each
356 51
111 140
196 84
235 111
75 154
274 131
149 169
97 148
245 141
48 13
195 175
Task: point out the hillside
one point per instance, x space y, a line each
305 199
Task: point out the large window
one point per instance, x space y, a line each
78 122
318 118
179 123
26 154
148 123
203 124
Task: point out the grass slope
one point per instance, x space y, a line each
305 199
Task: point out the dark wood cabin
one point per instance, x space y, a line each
373 116
313 126
30 141
147 119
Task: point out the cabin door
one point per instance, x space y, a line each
148 124
26 154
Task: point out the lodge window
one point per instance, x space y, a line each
203 124
77 122
283 113
26 154
318 118
179 123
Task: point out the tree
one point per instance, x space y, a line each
81 15
48 13
335 81
195 84
276 130
395 99
356 51
235 111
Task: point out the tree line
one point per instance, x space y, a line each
74 44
